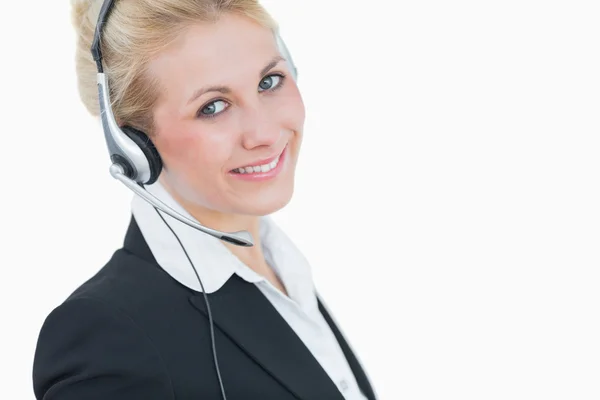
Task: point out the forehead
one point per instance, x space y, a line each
216 53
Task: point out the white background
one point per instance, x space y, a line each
447 195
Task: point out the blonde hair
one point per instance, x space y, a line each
134 33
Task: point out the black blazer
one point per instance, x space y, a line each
132 332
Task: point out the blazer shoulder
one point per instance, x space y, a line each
132 284
89 349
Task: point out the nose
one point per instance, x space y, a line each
260 128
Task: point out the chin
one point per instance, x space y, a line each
266 203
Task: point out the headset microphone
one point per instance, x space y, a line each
241 238
136 162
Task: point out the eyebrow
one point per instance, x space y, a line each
227 90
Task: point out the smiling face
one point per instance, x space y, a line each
229 119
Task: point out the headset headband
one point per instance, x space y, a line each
107 7
102 18
135 160
127 146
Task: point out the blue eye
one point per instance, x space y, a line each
270 82
213 108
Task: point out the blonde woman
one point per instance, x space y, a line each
204 90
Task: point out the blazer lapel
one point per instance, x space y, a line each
244 314
357 370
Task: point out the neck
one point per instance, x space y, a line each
253 256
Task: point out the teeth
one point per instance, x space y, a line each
258 168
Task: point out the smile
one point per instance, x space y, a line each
268 170
258 168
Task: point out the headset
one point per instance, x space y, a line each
136 162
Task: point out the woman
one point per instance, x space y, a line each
177 313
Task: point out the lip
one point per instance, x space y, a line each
263 161
264 176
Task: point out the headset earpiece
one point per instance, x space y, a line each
128 147
147 147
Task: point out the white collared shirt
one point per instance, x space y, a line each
216 264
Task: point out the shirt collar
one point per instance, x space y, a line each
211 258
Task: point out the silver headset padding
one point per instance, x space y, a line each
287 55
118 142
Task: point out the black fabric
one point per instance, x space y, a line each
359 373
133 332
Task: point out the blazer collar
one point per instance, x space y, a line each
247 317
134 243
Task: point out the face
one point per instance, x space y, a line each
229 120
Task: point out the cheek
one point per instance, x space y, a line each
297 112
194 166
195 154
